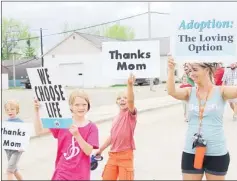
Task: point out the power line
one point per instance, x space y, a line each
41 57
22 62
83 28
93 26
154 12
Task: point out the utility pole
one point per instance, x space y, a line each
14 69
41 46
149 38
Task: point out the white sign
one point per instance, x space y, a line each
47 87
15 136
5 81
142 58
204 31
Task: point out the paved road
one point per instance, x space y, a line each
159 139
98 97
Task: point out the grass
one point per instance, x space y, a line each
119 85
16 88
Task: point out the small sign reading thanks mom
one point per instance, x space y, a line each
142 58
15 136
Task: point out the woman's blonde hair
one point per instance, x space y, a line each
12 104
210 67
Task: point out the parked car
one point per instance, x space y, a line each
141 81
27 84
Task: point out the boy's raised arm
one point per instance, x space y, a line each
131 81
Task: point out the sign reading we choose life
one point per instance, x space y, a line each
142 58
47 87
204 31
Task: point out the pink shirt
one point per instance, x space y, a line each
122 131
71 162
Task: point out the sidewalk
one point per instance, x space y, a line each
106 113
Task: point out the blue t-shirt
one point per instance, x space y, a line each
17 120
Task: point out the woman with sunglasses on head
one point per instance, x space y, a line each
205 149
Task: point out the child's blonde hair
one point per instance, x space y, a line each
81 94
119 94
12 104
184 76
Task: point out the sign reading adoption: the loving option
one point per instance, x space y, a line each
142 58
47 87
201 32
15 136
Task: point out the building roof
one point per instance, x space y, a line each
97 41
20 67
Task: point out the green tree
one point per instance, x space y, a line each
29 51
115 31
14 30
119 32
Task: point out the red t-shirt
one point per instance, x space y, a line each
122 131
185 85
218 76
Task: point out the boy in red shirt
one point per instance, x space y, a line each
120 164
184 85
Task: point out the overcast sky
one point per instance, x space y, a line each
52 16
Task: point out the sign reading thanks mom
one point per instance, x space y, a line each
142 58
203 32
15 136
47 87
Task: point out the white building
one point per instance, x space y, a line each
79 59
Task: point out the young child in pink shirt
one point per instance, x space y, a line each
75 144
120 163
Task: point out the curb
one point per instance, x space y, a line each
111 117
140 111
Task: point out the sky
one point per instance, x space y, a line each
52 16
